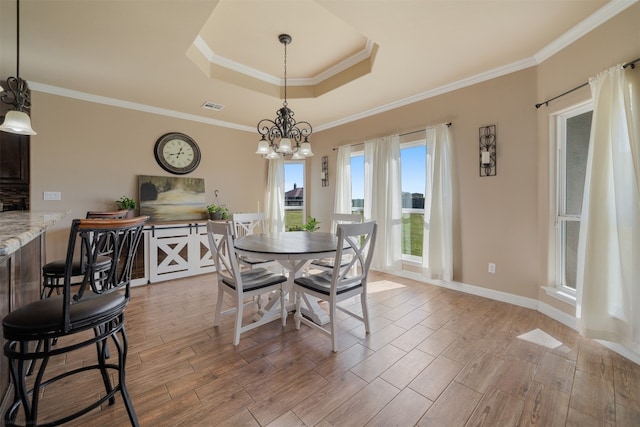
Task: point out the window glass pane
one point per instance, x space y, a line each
294 195
570 232
413 173
577 147
357 183
412 233
413 160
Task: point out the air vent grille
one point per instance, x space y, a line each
212 106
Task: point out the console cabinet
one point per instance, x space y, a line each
172 251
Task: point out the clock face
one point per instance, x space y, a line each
177 153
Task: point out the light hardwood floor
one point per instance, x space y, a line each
435 357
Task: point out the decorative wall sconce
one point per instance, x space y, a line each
325 171
487 144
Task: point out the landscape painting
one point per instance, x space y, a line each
168 198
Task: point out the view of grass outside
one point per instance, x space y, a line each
412 226
293 217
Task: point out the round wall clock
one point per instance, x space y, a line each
177 153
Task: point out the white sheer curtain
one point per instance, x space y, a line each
437 245
342 201
608 282
383 199
274 198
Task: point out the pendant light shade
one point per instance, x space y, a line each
17 122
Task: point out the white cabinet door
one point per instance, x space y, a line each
179 250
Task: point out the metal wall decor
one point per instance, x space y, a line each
325 171
487 155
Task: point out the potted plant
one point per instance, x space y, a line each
127 203
311 225
217 212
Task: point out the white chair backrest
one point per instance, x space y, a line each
245 224
341 218
359 241
220 236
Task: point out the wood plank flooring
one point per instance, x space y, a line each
435 357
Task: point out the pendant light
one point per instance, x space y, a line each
284 136
17 120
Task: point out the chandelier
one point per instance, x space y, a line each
17 120
284 136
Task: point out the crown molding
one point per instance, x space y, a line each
83 96
344 65
593 21
478 78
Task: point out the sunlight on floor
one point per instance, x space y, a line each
383 285
540 337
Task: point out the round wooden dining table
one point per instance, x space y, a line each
294 250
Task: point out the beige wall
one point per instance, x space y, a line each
615 42
93 153
497 215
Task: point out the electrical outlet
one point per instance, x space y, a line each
492 268
52 195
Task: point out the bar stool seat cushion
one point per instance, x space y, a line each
44 317
57 267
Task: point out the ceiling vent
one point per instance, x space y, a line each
212 106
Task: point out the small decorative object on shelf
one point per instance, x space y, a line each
125 202
488 165
217 211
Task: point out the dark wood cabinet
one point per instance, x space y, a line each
14 159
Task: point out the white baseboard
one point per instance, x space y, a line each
472 289
552 312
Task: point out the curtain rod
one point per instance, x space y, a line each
402 134
580 86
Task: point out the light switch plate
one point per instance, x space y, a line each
52 195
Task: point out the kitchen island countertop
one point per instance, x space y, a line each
17 228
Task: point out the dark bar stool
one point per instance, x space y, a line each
53 272
97 305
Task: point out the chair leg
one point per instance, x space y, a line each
216 318
365 312
283 308
101 346
298 316
122 361
334 325
238 323
21 393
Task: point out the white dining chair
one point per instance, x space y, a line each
240 284
344 281
245 224
336 219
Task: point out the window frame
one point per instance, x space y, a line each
559 218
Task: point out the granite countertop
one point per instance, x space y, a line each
17 228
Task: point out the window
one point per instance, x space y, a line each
413 175
357 182
573 132
294 195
